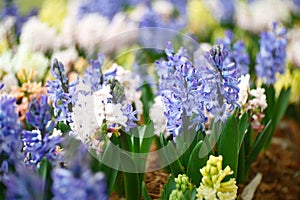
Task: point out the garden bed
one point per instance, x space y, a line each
279 166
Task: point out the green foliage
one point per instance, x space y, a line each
229 144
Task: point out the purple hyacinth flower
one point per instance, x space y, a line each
179 87
107 8
38 146
24 184
271 58
77 181
61 92
236 53
10 131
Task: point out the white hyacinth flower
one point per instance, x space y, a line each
114 114
257 16
131 83
260 100
90 31
67 57
37 35
157 115
244 87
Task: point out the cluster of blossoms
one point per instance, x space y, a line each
21 183
188 91
10 10
61 92
104 8
28 65
183 185
77 181
179 90
43 140
130 81
236 53
157 115
292 80
161 14
24 94
223 11
10 133
212 185
220 82
253 101
271 57
106 104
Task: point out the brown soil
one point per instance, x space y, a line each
279 165
155 182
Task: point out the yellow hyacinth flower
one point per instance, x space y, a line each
53 12
200 18
289 79
212 187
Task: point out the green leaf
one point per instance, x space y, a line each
184 142
147 136
278 111
195 164
229 144
145 192
44 171
168 188
170 153
147 100
162 140
2 190
281 105
193 193
132 186
119 187
270 94
259 143
125 141
111 173
243 125
132 181
63 127
242 173
248 137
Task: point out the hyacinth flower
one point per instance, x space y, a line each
236 53
187 90
213 185
101 107
77 181
78 185
183 187
111 93
271 58
271 62
103 7
24 184
42 141
61 92
179 90
10 9
93 75
220 83
224 11
10 134
26 93
162 14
